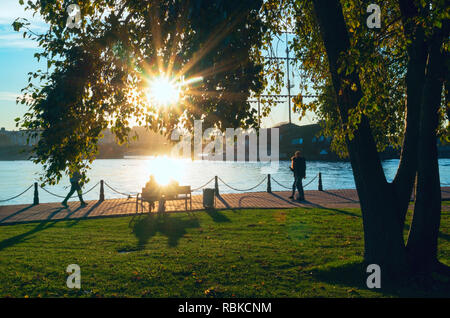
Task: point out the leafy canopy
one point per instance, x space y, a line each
98 75
380 57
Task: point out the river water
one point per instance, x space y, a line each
130 174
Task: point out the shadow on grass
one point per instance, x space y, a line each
444 236
354 276
217 216
172 227
344 212
25 236
315 205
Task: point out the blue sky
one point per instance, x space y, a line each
16 60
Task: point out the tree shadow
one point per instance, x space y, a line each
341 196
224 202
74 222
344 212
354 275
283 199
16 213
71 212
21 238
350 274
315 205
217 216
444 236
172 227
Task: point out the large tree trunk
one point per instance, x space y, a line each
423 235
403 182
383 226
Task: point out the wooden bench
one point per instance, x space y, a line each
172 194
179 193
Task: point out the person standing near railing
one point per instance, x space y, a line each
298 166
74 186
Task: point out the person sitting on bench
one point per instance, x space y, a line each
152 189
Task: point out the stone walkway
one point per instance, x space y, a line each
13 214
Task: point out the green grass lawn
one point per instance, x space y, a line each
241 253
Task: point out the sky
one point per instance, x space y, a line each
16 60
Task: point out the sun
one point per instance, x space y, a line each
166 169
163 91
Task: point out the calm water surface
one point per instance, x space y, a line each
130 174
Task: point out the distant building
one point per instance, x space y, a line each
307 139
15 138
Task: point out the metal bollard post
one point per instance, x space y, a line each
36 194
216 185
320 182
102 192
269 187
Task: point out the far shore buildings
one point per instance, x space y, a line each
14 138
307 138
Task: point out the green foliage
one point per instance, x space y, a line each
98 75
378 56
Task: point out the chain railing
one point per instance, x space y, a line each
243 190
16 196
267 178
201 187
73 196
288 188
129 195
311 181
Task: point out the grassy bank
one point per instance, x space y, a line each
244 253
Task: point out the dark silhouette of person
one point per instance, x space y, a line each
74 186
298 166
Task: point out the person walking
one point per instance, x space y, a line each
74 186
298 166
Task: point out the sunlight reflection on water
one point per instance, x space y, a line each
129 175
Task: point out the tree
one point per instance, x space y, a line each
98 74
360 74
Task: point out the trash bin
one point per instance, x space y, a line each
208 198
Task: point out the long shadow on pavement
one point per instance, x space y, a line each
340 196
16 213
285 200
84 216
224 202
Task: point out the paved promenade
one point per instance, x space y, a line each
120 207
